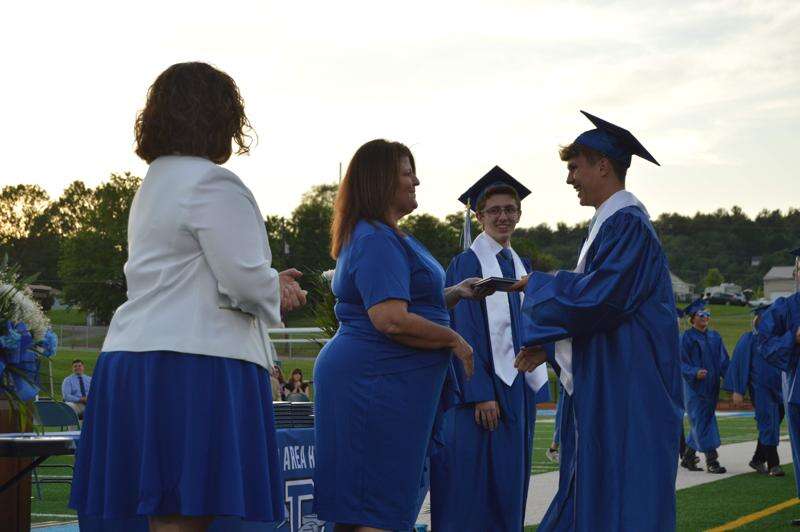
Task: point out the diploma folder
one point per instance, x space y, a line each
498 284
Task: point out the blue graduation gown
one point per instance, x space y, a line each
479 478
749 372
702 351
777 345
620 429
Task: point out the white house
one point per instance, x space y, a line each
683 291
778 282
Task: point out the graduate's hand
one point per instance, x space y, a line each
463 351
702 374
520 285
487 414
797 336
529 358
738 399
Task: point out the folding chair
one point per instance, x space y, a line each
54 414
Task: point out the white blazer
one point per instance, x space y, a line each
199 266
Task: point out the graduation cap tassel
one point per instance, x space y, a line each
466 232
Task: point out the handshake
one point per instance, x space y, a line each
530 357
292 295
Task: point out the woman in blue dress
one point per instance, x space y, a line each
378 382
179 426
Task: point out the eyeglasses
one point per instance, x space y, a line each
509 210
704 314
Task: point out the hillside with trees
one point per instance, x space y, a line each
77 242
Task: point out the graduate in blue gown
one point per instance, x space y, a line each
481 463
778 343
704 361
616 332
750 373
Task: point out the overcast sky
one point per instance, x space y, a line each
712 89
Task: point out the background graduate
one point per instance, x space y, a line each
778 342
704 361
748 372
617 331
480 468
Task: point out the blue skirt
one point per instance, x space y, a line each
169 433
372 433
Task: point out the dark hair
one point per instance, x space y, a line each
367 189
297 371
77 360
496 190
575 150
192 109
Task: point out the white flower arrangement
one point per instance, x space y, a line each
25 309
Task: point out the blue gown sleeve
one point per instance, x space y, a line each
381 269
690 360
468 319
776 339
738 374
625 268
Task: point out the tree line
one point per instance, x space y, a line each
77 242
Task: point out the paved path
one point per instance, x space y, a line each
734 457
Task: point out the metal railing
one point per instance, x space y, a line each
289 341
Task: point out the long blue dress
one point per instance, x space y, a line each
621 427
777 331
703 350
748 372
480 478
376 399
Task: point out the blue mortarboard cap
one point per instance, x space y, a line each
694 307
679 312
613 141
493 178
760 309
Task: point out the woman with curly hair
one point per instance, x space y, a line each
179 427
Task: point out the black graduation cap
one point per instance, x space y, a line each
494 177
613 141
795 252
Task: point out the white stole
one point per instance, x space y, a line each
616 202
498 314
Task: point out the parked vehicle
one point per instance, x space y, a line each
721 298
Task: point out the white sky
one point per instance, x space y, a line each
712 89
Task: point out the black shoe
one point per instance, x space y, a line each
690 465
795 522
776 471
715 468
760 467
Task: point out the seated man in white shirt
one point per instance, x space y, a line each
75 388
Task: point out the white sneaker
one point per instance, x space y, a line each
552 455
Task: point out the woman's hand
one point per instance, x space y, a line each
529 358
292 295
466 289
463 351
487 414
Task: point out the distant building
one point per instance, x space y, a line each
779 282
683 291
